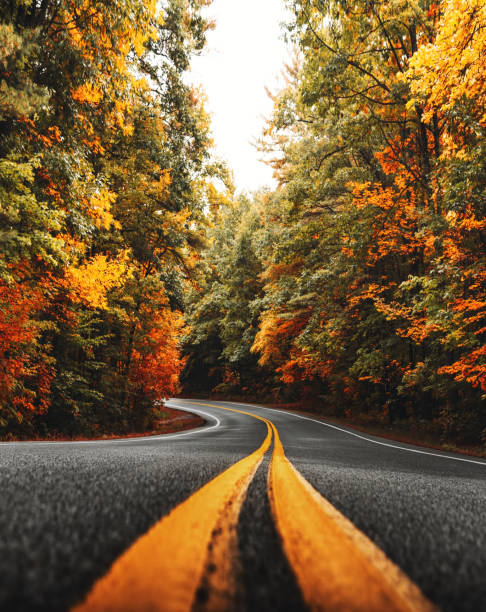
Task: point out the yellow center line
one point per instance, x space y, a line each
337 567
188 558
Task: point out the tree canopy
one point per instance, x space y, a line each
369 273
128 270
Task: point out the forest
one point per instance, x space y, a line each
131 270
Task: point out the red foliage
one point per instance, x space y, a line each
25 371
156 360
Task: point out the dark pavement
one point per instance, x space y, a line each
68 510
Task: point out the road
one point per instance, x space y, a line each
192 520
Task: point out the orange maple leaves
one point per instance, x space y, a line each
156 360
25 372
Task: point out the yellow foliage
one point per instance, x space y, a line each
275 332
114 36
72 245
264 339
91 281
453 67
87 93
99 205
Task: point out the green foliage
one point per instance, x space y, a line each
224 307
103 151
368 259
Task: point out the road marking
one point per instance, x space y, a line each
337 567
187 558
356 435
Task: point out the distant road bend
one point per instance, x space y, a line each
260 509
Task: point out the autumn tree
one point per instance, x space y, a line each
225 303
372 246
103 145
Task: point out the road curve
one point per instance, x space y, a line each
69 511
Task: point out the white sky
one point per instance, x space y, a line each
243 54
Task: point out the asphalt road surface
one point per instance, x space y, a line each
68 511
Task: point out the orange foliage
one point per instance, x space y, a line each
157 362
303 366
470 368
87 94
395 221
25 376
276 330
275 270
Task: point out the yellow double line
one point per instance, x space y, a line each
189 560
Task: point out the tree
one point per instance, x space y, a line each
103 149
372 246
